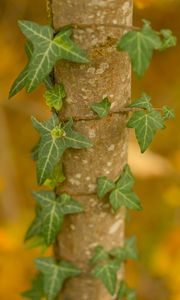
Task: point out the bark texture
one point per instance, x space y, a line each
108 74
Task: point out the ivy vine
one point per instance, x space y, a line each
44 48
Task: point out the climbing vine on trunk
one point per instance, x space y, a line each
44 48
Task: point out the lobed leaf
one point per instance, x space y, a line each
55 274
107 273
168 113
47 50
99 255
104 186
140 45
101 108
146 125
54 96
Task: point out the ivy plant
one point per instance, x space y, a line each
44 48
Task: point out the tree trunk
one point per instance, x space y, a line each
108 75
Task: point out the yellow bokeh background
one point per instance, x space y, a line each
157 274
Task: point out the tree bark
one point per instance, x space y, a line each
108 74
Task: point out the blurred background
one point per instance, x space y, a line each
157 274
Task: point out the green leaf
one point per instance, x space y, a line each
125 291
36 226
55 139
54 208
143 102
56 177
47 50
55 274
168 113
126 179
107 273
54 96
169 40
37 290
101 108
122 197
104 186
146 125
69 205
35 151
128 251
122 194
99 255
20 81
140 45
51 216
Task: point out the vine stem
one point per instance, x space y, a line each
94 26
120 111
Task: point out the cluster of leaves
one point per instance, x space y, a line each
50 214
44 49
148 120
49 282
121 193
140 45
107 264
55 138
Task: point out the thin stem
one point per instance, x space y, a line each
120 111
94 26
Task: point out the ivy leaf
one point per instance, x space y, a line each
126 179
20 81
140 45
54 96
146 125
57 176
69 205
125 291
36 226
55 273
99 255
54 208
37 291
101 108
55 139
122 197
104 186
168 113
142 102
128 251
47 50
169 40
108 275
51 216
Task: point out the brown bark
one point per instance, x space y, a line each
108 74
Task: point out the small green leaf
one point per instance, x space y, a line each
37 290
146 125
54 96
128 251
55 274
168 113
47 50
104 186
169 40
54 208
125 291
140 45
126 179
69 205
101 108
56 177
55 139
143 102
120 197
107 273
99 255
35 228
